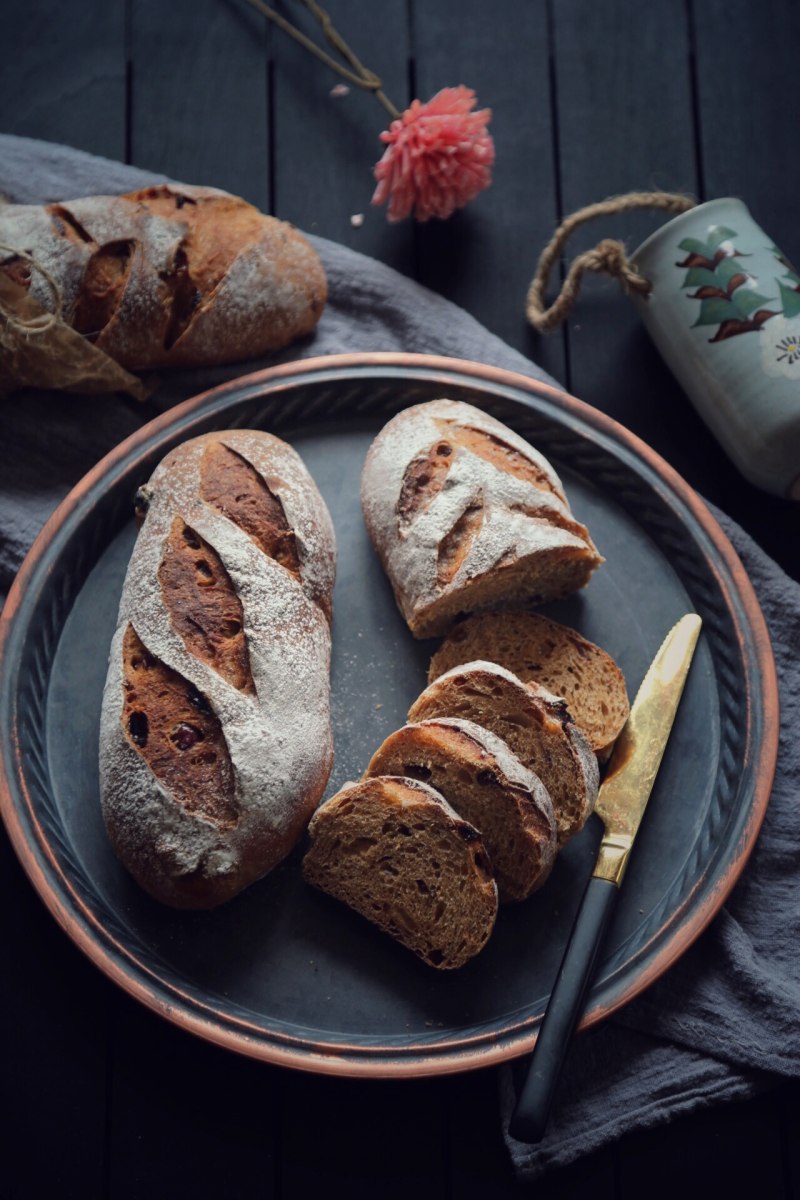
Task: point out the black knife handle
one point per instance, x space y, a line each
565 1006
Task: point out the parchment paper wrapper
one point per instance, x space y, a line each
39 350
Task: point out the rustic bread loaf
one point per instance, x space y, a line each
397 853
479 776
465 515
215 742
556 657
536 726
170 275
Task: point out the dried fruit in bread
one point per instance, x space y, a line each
215 742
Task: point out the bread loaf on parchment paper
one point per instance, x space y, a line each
535 724
488 786
465 515
171 275
395 851
215 740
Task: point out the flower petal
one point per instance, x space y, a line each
438 156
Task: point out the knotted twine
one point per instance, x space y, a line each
608 257
33 321
40 350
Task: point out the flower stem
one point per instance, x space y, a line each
361 76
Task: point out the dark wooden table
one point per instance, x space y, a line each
590 98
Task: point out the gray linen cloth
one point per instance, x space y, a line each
724 1022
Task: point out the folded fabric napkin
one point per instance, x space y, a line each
724 1022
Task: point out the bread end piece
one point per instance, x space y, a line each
465 515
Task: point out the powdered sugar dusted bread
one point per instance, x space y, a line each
535 724
465 515
215 742
483 781
556 657
396 852
170 275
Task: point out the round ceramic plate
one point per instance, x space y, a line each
284 973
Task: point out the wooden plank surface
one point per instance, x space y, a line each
373 1138
63 75
55 1008
588 100
326 147
484 256
185 1117
746 54
743 54
62 80
205 64
603 85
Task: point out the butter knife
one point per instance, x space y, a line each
620 805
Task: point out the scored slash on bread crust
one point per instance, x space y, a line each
483 781
465 515
171 275
215 739
539 650
396 852
534 724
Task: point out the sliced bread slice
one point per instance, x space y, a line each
479 776
534 723
396 852
556 657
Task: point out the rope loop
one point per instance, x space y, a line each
608 257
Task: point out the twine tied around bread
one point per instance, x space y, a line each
38 322
608 257
38 349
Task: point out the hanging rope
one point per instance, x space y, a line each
608 257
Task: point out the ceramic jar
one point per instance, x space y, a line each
724 312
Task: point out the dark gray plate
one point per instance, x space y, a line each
285 973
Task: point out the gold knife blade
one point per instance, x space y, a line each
640 747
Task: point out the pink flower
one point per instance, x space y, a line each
438 156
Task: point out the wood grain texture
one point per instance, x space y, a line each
744 54
205 63
603 85
484 256
326 147
588 100
63 73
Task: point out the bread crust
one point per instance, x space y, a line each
465 515
170 275
275 724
